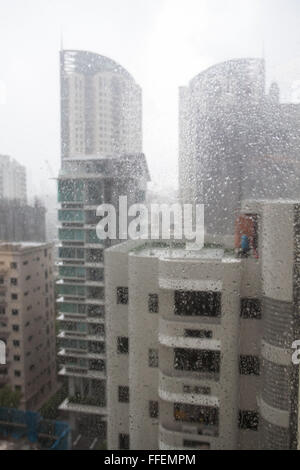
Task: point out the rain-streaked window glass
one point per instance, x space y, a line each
251 308
124 394
202 304
198 333
248 420
206 415
249 365
153 358
122 295
149 227
153 303
196 360
122 345
153 409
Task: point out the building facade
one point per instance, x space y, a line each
199 344
27 321
101 106
101 145
83 185
12 179
22 222
236 142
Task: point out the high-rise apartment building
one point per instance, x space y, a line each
21 222
236 142
101 129
12 179
27 321
83 185
101 106
199 343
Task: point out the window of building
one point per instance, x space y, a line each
202 304
16 328
123 394
94 193
206 415
196 360
15 312
122 295
17 358
124 442
14 281
153 409
14 296
153 303
13 265
248 420
196 390
123 345
17 373
153 358
249 365
16 343
251 309
198 334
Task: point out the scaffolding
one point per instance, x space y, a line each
29 425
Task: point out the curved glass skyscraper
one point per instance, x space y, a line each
236 141
101 106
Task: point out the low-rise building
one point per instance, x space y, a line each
27 321
199 343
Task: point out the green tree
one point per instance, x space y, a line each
50 409
9 398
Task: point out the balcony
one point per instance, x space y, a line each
72 272
80 354
67 405
87 400
81 300
71 235
188 390
173 439
70 215
64 335
68 371
71 290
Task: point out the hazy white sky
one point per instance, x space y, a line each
163 43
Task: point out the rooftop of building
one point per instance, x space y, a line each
99 156
22 246
207 253
175 250
255 205
90 63
7 159
232 65
119 165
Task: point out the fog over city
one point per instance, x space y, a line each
149 227
162 43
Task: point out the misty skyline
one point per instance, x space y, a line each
171 41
